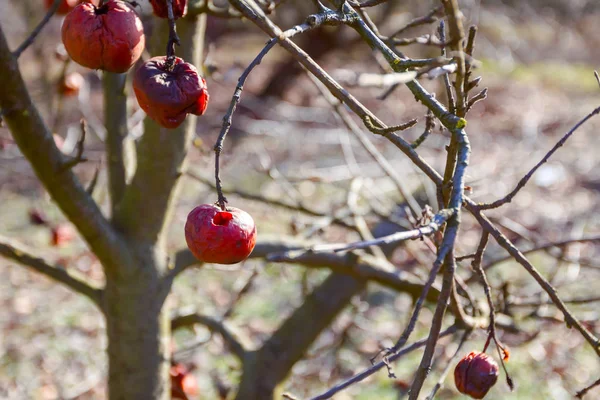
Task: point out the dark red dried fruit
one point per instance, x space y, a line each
67 5
222 237
37 217
168 95
183 383
160 8
62 234
70 84
110 37
475 374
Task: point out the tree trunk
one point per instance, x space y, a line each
138 330
266 369
137 316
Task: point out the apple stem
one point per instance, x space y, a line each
173 37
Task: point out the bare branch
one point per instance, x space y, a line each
37 145
119 149
436 223
584 391
508 198
385 363
161 154
505 243
13 250
231 340
37 30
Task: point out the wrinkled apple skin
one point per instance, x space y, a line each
159 7
168 96
67 5
222 237
475 374
110 37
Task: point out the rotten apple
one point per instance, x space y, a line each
159 7
67 5
169 89
217 236
109 37
475 374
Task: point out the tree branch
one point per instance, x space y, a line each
370 371
213 325
161 154
37 145
119 150
36 31
508 198
274 360
294 251
13 250
505 243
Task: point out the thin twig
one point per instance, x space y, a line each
429 127
436 325
508 198
384 363
447 85
436 223
428 18
504 242
36 31
228 117
173 37
13 250
584 391
230 339
450 364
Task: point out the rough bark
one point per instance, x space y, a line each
265 369
138 318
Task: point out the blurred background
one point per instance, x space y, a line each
537 59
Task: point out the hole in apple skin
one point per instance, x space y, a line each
222 218
101 10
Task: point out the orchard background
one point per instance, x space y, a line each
296 320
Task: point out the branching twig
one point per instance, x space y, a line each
449 366
16 252
505 243
228 117
36 31
428 18
436 223
385 363
584 391
508 198
230 339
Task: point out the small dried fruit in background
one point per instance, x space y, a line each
168 93
37 217
159 7
475 374
183 383
222 237
70 84
110 37
62 234
67 5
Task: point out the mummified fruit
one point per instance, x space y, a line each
160 8
222 237
67 5
183 383
167 93
475 374
62 234
70 84
110 37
